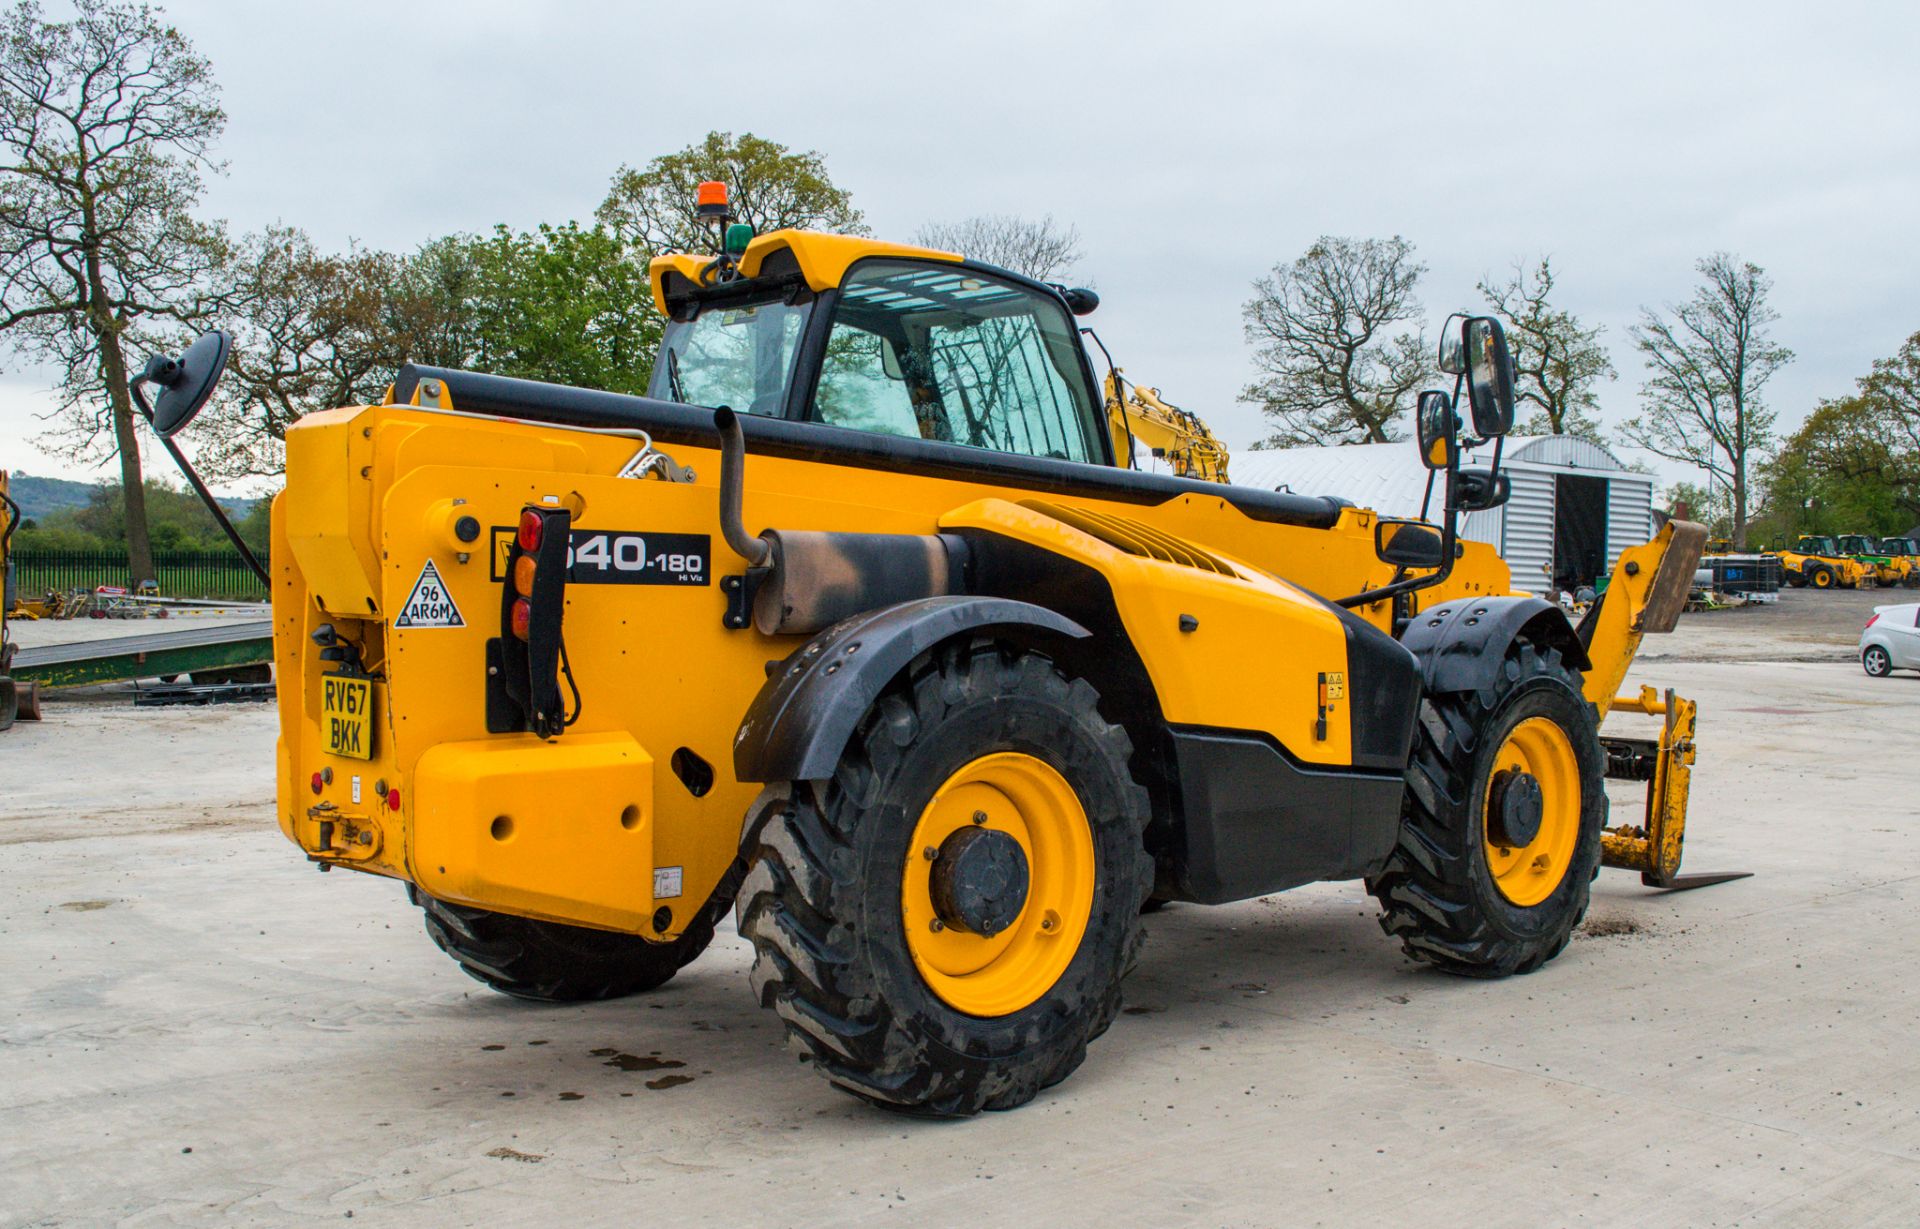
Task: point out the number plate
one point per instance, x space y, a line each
346 715
624 557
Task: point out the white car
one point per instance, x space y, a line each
1891 640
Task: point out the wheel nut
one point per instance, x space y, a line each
930 853
936 925
979 817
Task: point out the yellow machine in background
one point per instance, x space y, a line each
862 626
1172 434
1819 563
17 699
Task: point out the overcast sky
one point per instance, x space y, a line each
1193 145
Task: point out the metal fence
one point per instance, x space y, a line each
221 575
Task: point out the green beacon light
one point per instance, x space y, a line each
738 236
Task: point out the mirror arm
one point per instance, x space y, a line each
199 487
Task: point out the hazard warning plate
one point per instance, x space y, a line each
429 604
346 715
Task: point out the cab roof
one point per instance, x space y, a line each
821 259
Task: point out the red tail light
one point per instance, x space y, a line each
393 800
522 616
1874 619
530 526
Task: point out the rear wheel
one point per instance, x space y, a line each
1876 661
943 925
1500 838
9 703
552 963
1820 577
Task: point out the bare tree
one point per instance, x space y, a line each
1709 359
311 331
106 121
1557 360
1331 373
1042 250
770 187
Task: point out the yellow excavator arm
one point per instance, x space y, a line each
1177 435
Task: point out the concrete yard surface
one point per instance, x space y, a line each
198 1029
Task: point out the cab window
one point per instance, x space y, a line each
739 354
943 353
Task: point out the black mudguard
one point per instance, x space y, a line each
799 723
1461 643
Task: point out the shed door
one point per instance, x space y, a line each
1526 535
1579 530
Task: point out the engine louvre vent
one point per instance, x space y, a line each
1131 536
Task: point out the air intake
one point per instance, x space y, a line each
1132 537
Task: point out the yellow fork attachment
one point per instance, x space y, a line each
1646 593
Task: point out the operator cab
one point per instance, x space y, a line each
896 341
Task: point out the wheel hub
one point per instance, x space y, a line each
979 881
1517 807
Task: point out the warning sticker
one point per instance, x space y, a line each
429 605
666 882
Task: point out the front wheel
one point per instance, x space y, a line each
1500 833
943 925
1876 661
1820 578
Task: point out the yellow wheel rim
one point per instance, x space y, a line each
1822 580
1028 800
1528 874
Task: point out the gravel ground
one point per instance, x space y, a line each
197 1029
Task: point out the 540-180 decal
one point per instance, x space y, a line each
624 557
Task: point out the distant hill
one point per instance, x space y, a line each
39 496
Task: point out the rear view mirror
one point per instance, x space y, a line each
186 383
1489 377
1407 544
1453 349
1436 429
890 361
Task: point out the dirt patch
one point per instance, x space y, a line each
84 906
635 1062
1611 928
514 1154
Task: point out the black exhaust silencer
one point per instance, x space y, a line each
804 581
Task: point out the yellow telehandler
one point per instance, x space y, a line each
859 626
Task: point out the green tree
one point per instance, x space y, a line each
312 330
1557 359
1708 361
107 121
770 186
565 305
1333 368
1854 465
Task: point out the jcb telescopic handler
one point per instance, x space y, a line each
858 626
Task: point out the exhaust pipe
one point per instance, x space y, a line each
733 479
803 581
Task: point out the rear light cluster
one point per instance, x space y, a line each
1874 619
530 533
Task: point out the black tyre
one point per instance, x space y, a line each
1876 661
1911 580
1797 580
919 984
9 703
1820 576
551 963
1500 837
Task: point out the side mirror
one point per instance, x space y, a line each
186 383
1453 349
1437 429
1489 377
1476 490
1407 544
